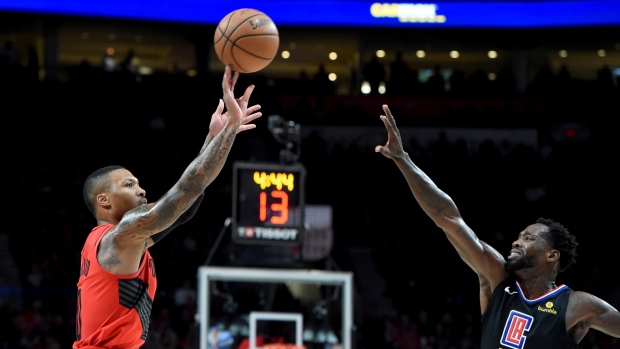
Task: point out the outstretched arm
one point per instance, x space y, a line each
131 235
218 120
185 217
482 258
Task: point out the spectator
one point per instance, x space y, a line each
374 73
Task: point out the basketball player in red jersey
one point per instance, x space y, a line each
117 280
521 305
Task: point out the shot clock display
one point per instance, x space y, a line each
268 203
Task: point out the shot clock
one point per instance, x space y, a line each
268 203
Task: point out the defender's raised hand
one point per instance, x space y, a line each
394 146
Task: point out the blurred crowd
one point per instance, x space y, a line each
56 133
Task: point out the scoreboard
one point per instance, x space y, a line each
268 203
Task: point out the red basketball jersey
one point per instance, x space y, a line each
113 311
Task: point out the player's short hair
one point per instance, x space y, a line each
94 183
563 240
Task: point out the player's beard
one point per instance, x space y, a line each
523 262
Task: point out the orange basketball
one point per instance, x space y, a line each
247 39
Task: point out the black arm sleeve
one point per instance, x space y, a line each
186 216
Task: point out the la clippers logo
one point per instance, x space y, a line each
514 330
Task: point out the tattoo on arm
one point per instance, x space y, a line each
147 220
110 261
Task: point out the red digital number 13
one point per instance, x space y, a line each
281 207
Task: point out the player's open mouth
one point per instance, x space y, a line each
514 254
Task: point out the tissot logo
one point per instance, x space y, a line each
247 232
267 233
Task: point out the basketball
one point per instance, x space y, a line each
247 39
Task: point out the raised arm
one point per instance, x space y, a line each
131 235
218 120
482 258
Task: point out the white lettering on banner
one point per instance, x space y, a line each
417 11
408 13
267 233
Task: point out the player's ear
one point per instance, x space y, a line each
553 255
103 200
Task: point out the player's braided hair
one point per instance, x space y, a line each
562 240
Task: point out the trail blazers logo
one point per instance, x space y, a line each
517 325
